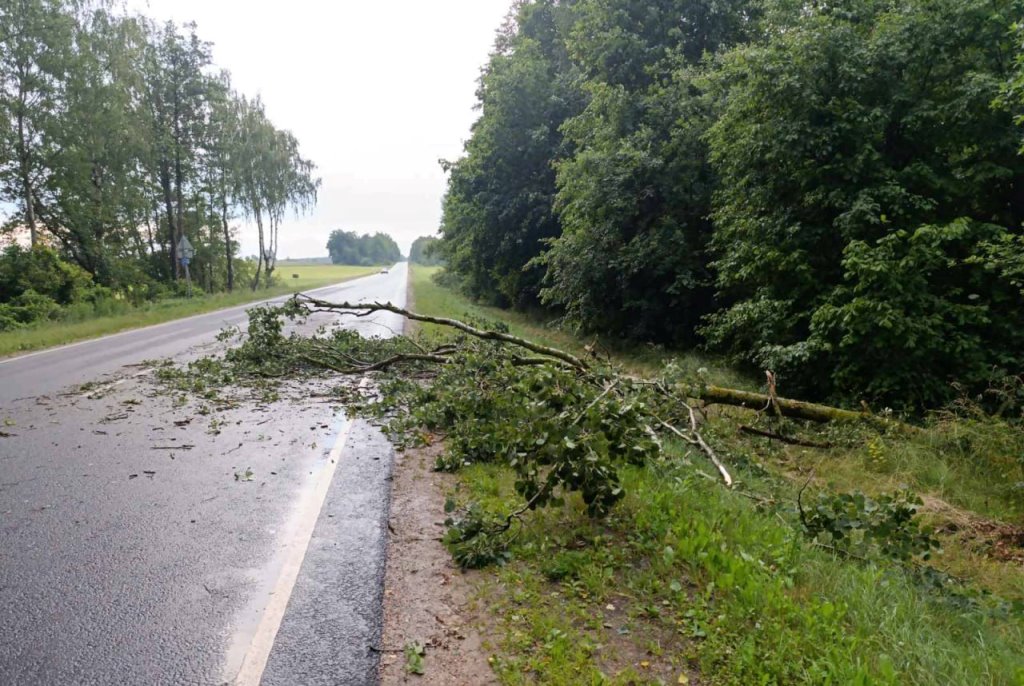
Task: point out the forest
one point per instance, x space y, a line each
424 251
118 137
348 247
832 191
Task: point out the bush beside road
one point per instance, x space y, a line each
112 315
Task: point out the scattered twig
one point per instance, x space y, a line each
594 402
517 514
800 501
694 438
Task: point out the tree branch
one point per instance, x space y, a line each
365 309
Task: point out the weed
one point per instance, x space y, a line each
414 654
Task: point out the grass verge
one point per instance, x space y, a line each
687 581
55 333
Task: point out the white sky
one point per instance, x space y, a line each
376 92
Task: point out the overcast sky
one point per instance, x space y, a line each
376 92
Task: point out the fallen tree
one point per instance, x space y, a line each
794 409
562 424
709 395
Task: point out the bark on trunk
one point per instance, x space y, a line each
178 180
25 169
259 264
796 409
172 233
227 235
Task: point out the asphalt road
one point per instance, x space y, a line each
150 538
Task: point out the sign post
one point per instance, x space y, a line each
185 254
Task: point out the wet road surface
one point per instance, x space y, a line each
145 537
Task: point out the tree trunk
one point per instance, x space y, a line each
796 409
259 264
154 226
172 234
25 169
227 234
271 257
178 192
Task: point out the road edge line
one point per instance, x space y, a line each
262 643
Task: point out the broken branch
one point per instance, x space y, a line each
796 409
363 309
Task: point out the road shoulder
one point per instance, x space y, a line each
427 600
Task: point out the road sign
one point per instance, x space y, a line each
185 249
185 254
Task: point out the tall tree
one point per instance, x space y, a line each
273 179
635 198
95 182
175 75
35 46
498 211
221 153
862 164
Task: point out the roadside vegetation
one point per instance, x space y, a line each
348 247
36 319
424 251
817 202
829 192
125 152
865 550
687 579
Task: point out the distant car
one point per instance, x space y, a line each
384 270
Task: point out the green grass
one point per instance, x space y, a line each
686 580
687 576
61 332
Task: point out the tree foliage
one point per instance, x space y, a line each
499 207
635 199
348 247
118 137
856 182
424 251
834 192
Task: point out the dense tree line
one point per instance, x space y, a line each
424 251
834 191
118 136
348 247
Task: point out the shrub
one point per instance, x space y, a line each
41 270
8 319
855 524
32 307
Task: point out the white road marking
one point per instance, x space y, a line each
89 395
296 539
